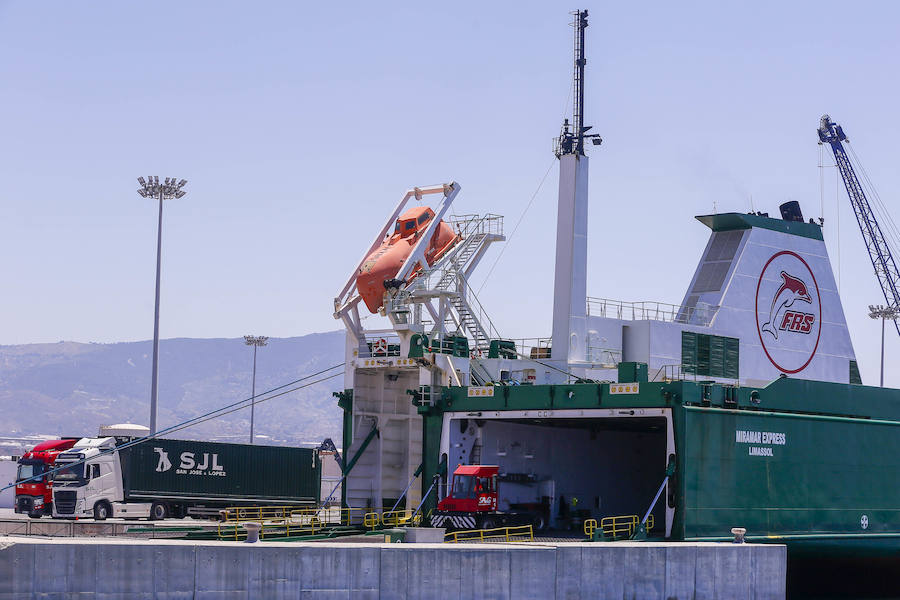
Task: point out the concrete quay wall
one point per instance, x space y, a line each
91 568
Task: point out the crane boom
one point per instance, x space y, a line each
879 252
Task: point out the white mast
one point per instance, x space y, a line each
570 282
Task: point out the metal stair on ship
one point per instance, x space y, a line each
450 276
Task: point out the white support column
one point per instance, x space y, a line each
570 281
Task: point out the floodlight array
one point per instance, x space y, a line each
883 312
168 189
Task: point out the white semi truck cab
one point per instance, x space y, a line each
88 483
124 473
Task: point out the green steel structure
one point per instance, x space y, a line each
799 462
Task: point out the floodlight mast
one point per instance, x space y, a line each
151 188
883 313
256 341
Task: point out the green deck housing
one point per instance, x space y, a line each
828 472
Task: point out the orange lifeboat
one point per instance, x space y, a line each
384 263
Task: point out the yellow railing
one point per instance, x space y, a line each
291 520
371 520
391 518
616 527
333 516
590 526
256 513
521 533
271 528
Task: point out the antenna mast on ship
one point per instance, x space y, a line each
570 284
572 142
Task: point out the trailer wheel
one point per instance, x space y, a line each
102 510
539 523
35 515
158 511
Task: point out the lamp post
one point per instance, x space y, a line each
152 188
256 341
883 313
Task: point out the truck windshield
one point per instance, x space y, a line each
29 470
75 472
462 486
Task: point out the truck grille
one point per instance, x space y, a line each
24 504
65 502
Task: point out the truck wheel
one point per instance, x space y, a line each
35 515
158 511
102 511
539 523
488 524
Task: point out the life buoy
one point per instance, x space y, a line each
379 348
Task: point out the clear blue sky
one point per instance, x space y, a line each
299 126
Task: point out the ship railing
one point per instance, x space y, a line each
519 533
472 229
679 372
473 305
604 357
671 373
537 348
700 314
379 345
471 224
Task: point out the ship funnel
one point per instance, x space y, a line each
790 211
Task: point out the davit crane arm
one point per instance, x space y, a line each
879 252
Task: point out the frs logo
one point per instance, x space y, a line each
797 321
792 289
788 311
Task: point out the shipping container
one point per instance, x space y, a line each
240 473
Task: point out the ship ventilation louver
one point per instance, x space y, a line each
717 262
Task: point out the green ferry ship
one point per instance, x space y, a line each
739 407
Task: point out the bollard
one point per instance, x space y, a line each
738 534
252 532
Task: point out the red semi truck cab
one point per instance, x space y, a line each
35 496
474 489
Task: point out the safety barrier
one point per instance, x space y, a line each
288 521
328 516
65 528
391 518
256 513
272 528
520 533
622 526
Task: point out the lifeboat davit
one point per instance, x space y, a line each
384 263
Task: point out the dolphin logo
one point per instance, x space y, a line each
791 289
164 463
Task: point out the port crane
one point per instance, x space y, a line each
879 251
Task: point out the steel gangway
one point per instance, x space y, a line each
450 277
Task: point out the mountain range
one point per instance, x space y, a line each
71 388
